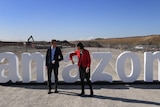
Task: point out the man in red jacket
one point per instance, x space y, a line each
84 62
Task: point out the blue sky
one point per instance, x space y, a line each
78 19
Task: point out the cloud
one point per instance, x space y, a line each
87 38
6 38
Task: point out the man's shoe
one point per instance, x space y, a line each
49 92
91 94
82 94
55 91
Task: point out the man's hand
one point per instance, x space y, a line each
53 62
72 62
87 70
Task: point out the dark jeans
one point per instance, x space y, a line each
84 75
50 69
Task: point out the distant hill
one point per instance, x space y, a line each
136 40
99 42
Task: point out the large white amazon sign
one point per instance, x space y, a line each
98 74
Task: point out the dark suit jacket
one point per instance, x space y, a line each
57 57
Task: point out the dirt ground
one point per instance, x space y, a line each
134 95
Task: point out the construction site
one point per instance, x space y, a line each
115 94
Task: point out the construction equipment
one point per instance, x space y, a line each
31 37
29 43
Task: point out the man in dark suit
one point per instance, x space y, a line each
53 56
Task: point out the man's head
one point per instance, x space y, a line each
53 42
80 46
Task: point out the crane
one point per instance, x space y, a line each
31 37
29 42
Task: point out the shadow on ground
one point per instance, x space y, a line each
77 86
102 97
64 90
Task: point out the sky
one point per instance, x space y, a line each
77 19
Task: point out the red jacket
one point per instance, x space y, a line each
84 60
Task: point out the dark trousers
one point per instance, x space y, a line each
50 69
84 75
